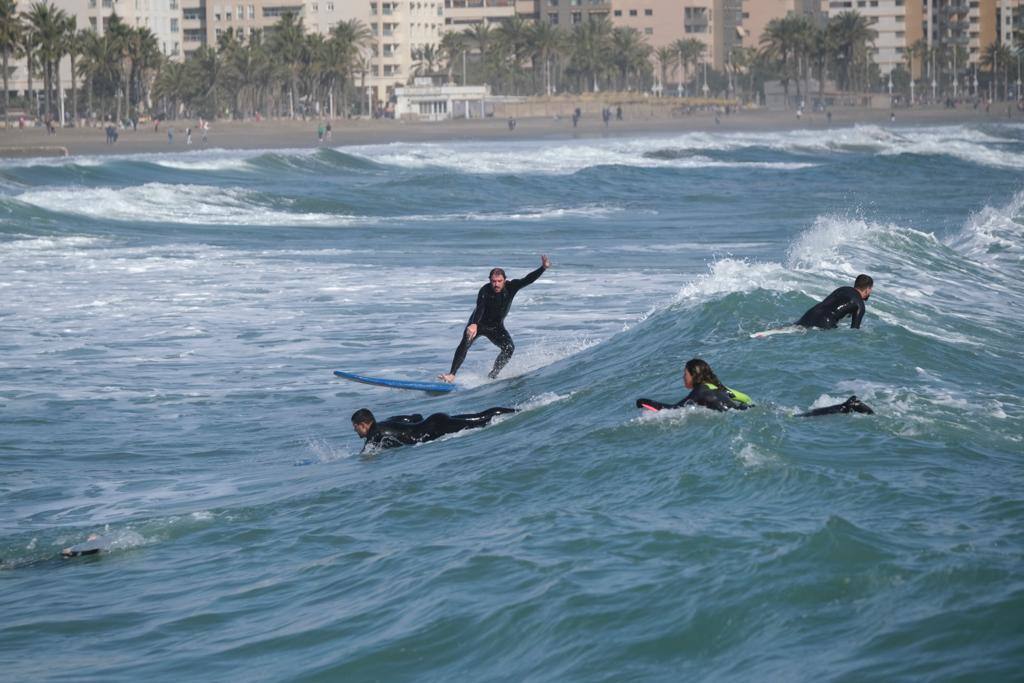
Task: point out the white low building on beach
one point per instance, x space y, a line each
428 102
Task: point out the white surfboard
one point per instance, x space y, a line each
788 329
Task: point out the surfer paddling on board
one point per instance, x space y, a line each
839 304
403 430
708 391
705 390
488 318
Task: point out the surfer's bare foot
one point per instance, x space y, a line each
447 377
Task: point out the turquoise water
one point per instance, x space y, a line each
169 327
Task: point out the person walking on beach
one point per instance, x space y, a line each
188 135
205 128
320 134
170 135
839 304
327 133
488 318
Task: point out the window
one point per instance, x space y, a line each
617 13
330 7
575 3
174 25
553 18
252 11
173 5
552 3
241 12
227 15
649 31
648 13
577 17
92 3
92 23
373 9
632 12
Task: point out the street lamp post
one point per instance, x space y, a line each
679 85
705 88
975 82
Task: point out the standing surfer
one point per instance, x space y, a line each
488 318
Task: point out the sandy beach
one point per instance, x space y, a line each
280 134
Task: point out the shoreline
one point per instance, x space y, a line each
296 134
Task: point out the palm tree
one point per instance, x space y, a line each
27 45
996 58
513 34
288 44
427 56
590 48
689 51
665 56
782 42
481 36
10 31
452 45
849 35
47 23
545 40
72 47
349 39
631 54
171 85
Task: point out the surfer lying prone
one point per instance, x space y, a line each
403 430
705 390
709 392
850 405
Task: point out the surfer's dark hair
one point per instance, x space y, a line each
863 282
362 415
497 271
702 373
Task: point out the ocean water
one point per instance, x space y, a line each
169 325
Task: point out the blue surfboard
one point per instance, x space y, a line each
429 387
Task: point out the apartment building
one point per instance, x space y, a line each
162 17
569 13
1010 22
462 14
756 14
662 22
899 24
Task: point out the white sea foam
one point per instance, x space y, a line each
730 275
547 158
994 235
214 164
164 203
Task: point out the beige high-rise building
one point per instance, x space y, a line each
757 14
461 14
898 24
1010 20
662 22
162 17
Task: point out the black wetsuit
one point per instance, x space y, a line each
836 306
702 395
850 405
489 318
403 430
